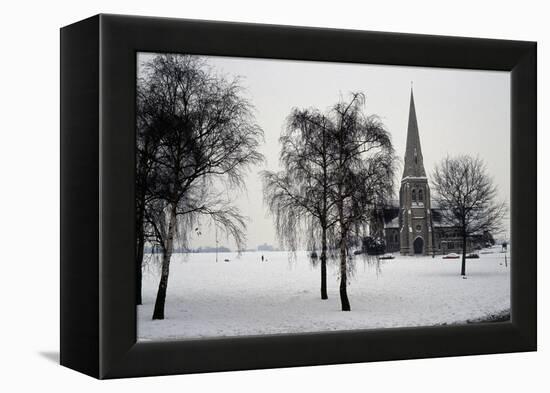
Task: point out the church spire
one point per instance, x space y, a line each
414 163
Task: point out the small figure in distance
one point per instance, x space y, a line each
262 258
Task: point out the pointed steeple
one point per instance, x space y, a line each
414 163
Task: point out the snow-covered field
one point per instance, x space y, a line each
248 297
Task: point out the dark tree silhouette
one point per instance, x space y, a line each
467 197
337 168
364 171
298 195
205 137
149 131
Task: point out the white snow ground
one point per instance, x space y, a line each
248 297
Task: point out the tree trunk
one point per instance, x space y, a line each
140 243
324 294
158 313
343 233
343 277
139 261
463 269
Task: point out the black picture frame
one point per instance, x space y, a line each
98 78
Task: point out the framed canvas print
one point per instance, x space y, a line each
239 196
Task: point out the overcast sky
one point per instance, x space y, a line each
458 111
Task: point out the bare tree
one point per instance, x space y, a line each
298 195
364 169
207 138
467 197
337 167
149 130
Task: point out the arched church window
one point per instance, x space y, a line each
414 195
420 196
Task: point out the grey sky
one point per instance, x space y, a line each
458 111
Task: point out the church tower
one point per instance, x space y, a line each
414 196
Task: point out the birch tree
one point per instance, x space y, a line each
207 138
337 168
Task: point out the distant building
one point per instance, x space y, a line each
412 226
266 247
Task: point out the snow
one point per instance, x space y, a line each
248 297
393 223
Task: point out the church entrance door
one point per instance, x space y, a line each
418 245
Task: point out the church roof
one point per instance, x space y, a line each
414 162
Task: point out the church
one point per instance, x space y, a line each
414 227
